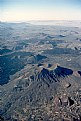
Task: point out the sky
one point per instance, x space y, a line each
25 10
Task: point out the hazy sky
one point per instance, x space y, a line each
23 10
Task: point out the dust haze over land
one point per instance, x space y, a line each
40 71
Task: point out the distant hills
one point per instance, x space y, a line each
40 71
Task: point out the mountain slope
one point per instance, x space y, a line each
39 93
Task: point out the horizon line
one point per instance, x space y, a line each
37 20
